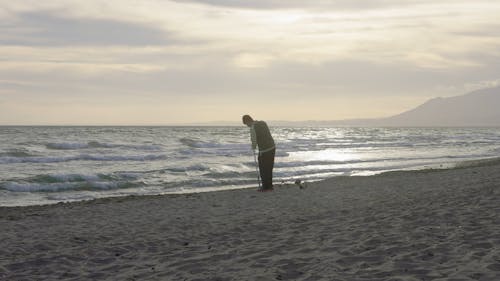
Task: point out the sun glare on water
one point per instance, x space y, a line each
333 155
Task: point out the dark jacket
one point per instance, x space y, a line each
261 136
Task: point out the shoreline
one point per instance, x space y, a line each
419 169
425 225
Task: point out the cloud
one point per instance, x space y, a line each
46 28
312 4
199 56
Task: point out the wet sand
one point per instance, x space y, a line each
426 225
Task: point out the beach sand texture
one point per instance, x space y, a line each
426 225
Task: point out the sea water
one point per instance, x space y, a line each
43 165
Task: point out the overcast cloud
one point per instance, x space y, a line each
164 62
42 28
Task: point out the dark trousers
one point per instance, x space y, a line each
266 165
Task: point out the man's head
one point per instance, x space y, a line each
247 120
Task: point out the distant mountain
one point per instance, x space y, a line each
479 108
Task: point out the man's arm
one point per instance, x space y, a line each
253 137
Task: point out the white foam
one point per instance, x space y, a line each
95 144
33 187
143 147
129 175
74 177
38 187
67 145
81 157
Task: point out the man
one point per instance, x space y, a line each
261 138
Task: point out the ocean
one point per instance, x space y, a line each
46 165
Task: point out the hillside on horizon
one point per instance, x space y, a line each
480 108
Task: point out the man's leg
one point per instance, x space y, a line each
266 165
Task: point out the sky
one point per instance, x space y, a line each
159 62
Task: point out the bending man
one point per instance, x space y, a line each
261 138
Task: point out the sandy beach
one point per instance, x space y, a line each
425 225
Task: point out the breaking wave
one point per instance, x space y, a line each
96 144
61 182
81 157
